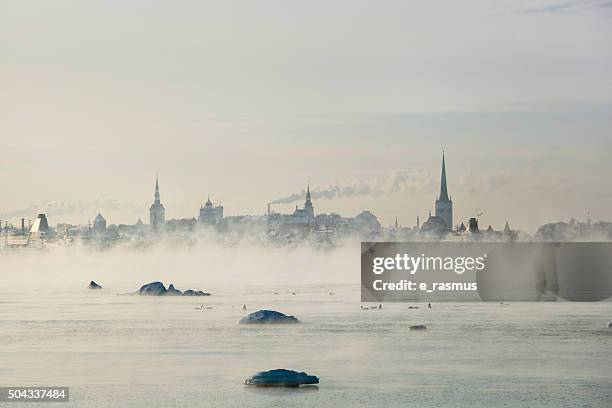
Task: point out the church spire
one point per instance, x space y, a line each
443 188
157 198
157 212
308 204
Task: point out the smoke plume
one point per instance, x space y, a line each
398 181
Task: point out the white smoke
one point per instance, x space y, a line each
72 209
397 181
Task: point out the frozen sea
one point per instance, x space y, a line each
116 350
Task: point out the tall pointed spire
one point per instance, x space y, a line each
157 212
443 188
308 204
157 197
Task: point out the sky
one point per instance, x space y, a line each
251 101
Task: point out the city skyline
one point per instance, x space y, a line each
273 227
213 214
250 102
63 212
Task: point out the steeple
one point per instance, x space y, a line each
444 205
308 204
443 188
157 198
157 212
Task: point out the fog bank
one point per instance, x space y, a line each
205 266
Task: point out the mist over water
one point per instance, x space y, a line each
311 127
205 265
116 350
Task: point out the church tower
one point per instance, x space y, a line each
444 205
308 204
157 212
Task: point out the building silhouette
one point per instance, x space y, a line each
41 225
444 204
303 217
442 221
210 214
157 212
99 224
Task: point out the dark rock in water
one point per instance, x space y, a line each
268 316
610 324
190 292
94 285
153 289
281 378
418 327
158 289
172 291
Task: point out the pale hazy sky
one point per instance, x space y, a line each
250 100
